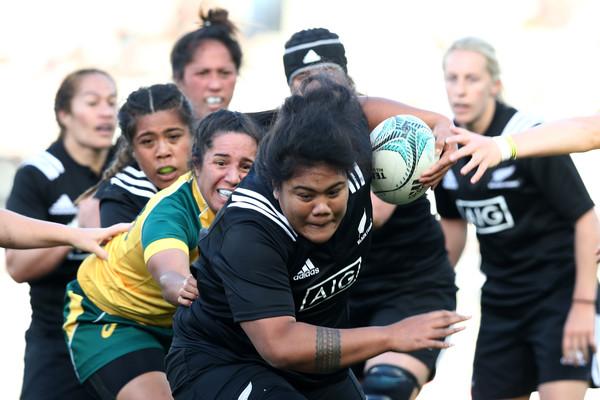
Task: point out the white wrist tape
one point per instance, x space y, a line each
504 147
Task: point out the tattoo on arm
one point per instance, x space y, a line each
328 354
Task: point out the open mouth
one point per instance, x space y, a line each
224 193
214 100
166 170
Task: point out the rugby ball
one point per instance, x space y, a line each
403 148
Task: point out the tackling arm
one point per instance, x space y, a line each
170 268
287 344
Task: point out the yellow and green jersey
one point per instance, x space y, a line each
122 284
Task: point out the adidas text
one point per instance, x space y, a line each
306 274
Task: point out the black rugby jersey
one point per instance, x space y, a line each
524 212
123 196
254 265
406 251
45 188
407 248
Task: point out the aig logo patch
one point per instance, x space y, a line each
331 286
488 216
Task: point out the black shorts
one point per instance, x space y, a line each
108 381
517 350
49 373
250 381
376 308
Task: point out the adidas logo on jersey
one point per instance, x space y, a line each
449 181
63 206
308 269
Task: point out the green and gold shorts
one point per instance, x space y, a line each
95 338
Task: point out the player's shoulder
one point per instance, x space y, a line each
129 182
253 202
520 121
46 164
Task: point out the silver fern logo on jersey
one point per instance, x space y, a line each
489 215
363 230
500 178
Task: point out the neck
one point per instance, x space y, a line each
481 124
89 157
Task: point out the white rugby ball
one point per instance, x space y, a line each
403 148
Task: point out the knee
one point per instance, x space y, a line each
389 382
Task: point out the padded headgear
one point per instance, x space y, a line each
311 47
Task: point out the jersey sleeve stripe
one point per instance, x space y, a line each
139 192
263 202
359 174
140 182
520 121
356 179
135 172
49 165
351 184
164 244
249 206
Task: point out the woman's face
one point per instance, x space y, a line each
161 146
209 79
224 166
470 88
92 119
314 201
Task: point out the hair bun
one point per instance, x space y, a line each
216 16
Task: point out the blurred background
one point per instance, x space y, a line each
549 51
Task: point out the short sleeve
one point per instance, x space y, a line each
27 194
115 211
252 265
117 204
561 185
169 226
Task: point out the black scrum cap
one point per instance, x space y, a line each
311 47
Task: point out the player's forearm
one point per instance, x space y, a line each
587 240
169 268
560 137
455 235
314 349
18 231
377 109
27 265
